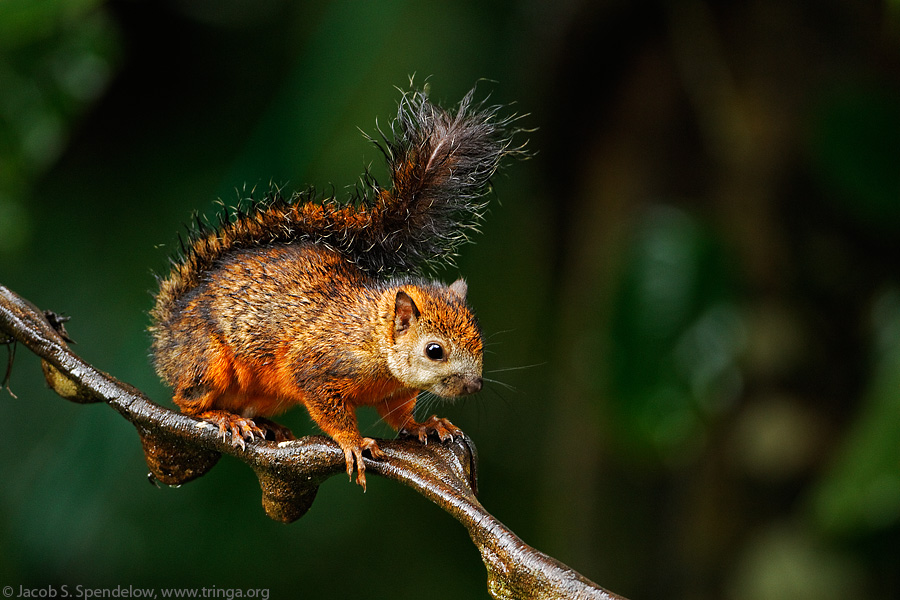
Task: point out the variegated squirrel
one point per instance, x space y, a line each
310 300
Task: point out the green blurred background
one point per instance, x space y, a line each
691 293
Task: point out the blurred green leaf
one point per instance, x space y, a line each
23 21
784 563
676 334
57 63
861 491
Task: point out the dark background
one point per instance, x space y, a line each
691 293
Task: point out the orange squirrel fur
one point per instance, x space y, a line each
312 301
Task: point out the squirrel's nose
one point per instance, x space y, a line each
473 385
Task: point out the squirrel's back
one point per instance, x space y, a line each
440 167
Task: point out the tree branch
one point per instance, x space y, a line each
179 449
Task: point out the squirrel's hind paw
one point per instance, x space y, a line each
279 433
240 428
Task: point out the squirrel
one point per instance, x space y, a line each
310 300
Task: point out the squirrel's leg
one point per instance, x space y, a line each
201 383
198 399
398 413
338 421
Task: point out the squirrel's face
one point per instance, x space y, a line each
437 345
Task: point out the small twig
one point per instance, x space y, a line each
10 343
179 448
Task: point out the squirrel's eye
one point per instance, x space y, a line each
434 351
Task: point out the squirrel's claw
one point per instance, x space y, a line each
442 428
240 428
354 458
370 445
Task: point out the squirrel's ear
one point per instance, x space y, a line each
405 312
459 288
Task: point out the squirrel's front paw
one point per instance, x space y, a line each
353 457
444 429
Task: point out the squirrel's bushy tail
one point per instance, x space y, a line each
440 166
